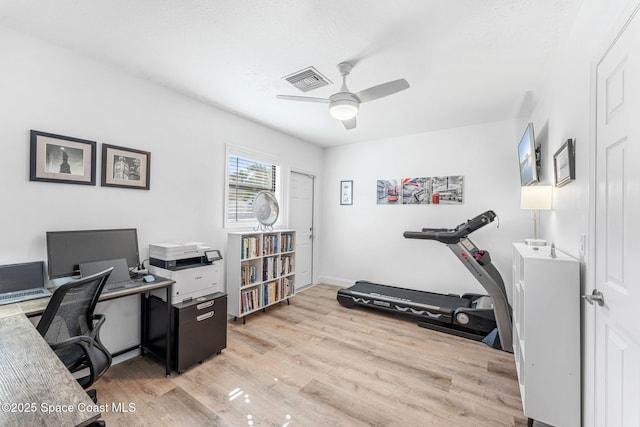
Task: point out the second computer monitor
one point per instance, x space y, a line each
67 249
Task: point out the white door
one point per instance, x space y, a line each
617 221
301 220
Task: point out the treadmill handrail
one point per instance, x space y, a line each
455 235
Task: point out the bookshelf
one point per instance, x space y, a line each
546 333
260 270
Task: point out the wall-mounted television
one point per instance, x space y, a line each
67 249
528 157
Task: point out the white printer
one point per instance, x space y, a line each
176 256
192 265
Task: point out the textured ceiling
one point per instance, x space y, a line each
467 61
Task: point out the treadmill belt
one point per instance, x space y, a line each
446 303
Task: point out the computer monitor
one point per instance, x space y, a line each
67 249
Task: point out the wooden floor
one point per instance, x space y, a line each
315 363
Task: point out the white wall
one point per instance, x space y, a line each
364 241
566 111
53 90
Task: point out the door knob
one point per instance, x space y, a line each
596 296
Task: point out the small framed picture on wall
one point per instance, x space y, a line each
125 167
346 192
62 159
564 163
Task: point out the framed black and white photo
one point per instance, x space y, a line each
125 167
346 192
63 159
564 163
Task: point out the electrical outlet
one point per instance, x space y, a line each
583 245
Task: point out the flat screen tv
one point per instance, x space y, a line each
67 249
527 157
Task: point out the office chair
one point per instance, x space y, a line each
72 330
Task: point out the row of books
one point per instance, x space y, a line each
249 247
269 244
286 265
272 267
288 286
266 294
286 242
269 268
249 274
251 299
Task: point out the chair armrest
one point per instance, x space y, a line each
79 340
95 357
97 322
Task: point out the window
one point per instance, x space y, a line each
246 177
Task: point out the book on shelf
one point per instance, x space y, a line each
287 286
251 300
269 268
249 275
249 247
286 242
266 294
269 244
286 265
275 291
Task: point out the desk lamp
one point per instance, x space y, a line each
536 198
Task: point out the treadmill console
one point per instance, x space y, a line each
446 236
468 245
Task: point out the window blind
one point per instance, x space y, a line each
247 178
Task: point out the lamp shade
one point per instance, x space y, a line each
536 197
343 109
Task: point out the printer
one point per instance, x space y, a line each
176 256
191 265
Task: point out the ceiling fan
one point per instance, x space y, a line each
344 105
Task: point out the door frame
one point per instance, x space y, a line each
314 177
588 312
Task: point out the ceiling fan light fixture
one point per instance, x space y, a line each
345 104
343 109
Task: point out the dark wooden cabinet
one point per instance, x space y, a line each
198 328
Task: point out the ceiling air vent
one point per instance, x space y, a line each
307 79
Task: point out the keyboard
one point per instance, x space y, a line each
111 287
12 297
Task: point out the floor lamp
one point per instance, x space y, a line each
536 198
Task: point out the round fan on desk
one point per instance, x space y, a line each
266 209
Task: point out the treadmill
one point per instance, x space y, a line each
484 318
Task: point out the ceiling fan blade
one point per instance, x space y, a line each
303 98
349 124
385 89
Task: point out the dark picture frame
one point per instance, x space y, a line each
62 159
564 163
346 192
125 167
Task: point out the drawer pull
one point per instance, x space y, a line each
205 316
205 305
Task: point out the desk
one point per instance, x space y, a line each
36 307
32 378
